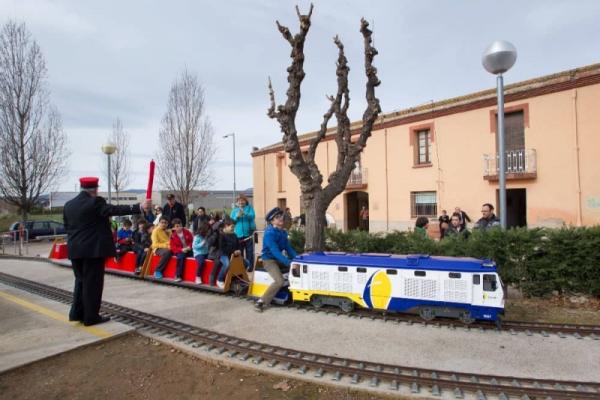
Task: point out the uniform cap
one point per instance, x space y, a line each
273 213
88 182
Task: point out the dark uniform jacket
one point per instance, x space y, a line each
87 224
177 211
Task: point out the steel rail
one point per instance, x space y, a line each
415 378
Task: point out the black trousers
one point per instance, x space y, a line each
87 295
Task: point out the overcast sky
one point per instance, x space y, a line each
109 59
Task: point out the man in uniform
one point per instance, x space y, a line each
174 209
90 242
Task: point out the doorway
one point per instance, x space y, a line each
516 207
354 202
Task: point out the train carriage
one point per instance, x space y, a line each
457 287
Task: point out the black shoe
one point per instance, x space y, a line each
101 319
259 306
75 319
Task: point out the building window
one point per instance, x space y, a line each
280 164
423 204
423 148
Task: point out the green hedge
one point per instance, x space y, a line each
538 261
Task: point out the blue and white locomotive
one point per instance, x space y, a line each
456 287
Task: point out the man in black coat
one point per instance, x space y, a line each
90 242
174 209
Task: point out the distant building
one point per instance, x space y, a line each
441 155
210 199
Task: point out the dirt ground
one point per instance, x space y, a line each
557 309
135 367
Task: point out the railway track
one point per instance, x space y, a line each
578 331
397 377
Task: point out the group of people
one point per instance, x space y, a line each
456 224
211 237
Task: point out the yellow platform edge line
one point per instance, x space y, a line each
98 332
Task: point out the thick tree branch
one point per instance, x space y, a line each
337 180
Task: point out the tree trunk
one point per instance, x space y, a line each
315 221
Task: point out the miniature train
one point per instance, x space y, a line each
465 288
455 287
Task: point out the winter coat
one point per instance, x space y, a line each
87 223
274 242
228 243
486 223
244 223
200 245
175 243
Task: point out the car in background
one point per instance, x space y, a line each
38 228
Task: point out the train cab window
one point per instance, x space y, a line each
343 269
489 283
361 270
391 271
454 275
296 270
304 268
476 280
420 273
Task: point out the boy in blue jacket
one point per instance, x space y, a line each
274 242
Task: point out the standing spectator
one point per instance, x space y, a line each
444 223
363 215
124 239
200 247
275 241
287 219
199 218
243 217
421 225
456 229
87 223
302 220
180 245
173 209
464 218
158 215
229 245
160 246
488 219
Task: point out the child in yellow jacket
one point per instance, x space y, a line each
160 246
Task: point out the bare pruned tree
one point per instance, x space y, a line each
33 146
119 162
315 197
186 145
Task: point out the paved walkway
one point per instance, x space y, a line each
384 342
34 328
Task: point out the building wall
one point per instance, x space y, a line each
561 126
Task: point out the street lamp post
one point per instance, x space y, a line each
234 191
108 149
498 58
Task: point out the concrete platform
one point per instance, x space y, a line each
34 328
377 341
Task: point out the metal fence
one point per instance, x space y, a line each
523 161
14 242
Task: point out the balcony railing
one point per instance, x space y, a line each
358 178
520 164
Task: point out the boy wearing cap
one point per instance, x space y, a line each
89 243
274 242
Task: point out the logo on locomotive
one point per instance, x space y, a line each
378 291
